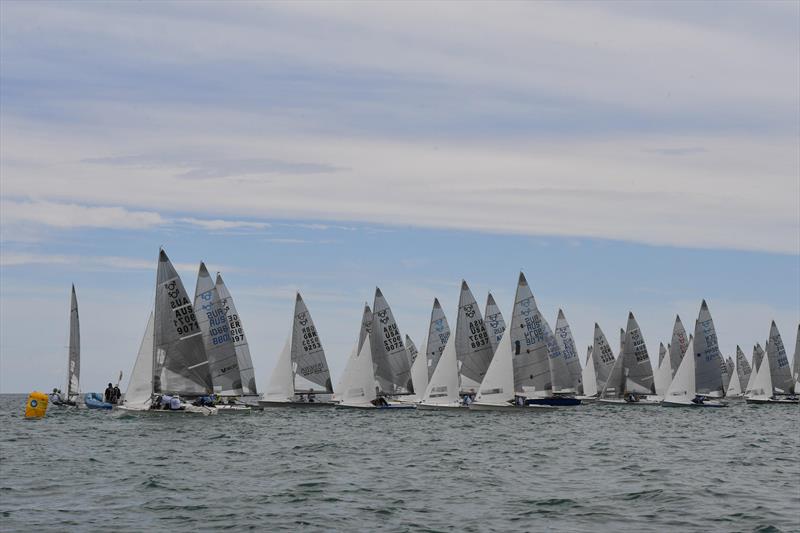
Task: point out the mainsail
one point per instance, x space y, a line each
473 348
569 351
678 344
246 370
780 373
528 344
221 352
181 363
438 333
632 372
758 355
392 364
140 386
301 365
74 364
743 368
602 359
709 365
493 319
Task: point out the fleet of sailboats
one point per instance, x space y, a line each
194 358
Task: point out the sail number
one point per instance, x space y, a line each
478 337
391 338
310 339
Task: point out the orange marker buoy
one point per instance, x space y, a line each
37 405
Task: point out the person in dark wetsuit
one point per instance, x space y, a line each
109 394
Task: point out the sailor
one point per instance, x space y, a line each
311 397
55 397
117 394
109 394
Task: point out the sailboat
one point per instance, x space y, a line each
246 371
682 392
736 384
493 320
219 345
566 342
172 360
763 389
600 361
464 361
678 344
389 355
710 367
631 378
780 372
301 372
70 399
422 367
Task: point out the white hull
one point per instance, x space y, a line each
586 399
188 410
507 407
296 405
234 409
440 407
689 403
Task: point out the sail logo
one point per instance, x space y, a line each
302 319
469 310
383 316
525 307
438 325
206 295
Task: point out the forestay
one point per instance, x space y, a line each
473 349
392 365
181 363
493 319
221 352
74 359
246 370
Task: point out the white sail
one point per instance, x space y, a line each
743 369
392 365
730 367
589 376
709 366
683 388
308 356
473 349
246 370
734 389
443 387
280 387
569 351
349 369
663 374
493 319
419 369
678 344
498 384
360 384
213 320
74 359
662 351
761 388
529 345
438 334
140 386
780 373
181 363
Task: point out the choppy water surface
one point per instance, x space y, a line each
591 468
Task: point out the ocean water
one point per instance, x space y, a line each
590 468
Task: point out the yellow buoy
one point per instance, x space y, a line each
37 405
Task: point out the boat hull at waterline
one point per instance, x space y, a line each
510 408
236 409
294 404
586 399
781 401
690 403
440 406
187 410
622 401
389 406
554 401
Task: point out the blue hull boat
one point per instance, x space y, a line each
94 400
555 401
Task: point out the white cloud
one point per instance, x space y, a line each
99 263
64 215
218 224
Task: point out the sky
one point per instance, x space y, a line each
627 156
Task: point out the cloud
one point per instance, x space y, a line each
99 263
63 215
218 224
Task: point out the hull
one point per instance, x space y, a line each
620 401
298 405
707 403
554 401
92 400
508 408
440 407
587 399
235 409
377 408
781 401
189 410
